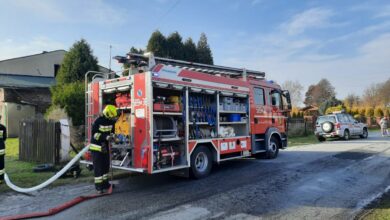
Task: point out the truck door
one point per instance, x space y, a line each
278 118
259 111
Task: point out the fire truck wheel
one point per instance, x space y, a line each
201 162
273 148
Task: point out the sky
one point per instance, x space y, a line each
347 42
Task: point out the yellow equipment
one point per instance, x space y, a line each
122 125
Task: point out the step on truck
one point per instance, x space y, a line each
184 117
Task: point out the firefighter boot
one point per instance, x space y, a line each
106 184
99 184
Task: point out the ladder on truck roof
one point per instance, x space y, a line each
149 59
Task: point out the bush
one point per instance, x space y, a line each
71 98
378 112
333 109
362 111
386 112
369 112
354 111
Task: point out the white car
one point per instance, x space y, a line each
340 125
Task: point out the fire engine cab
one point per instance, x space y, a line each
181 116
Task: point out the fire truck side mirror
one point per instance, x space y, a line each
286 94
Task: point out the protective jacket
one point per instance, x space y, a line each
3 137
101 129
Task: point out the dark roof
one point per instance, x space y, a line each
310 107
23 81
44 52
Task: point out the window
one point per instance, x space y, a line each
276 99
350 118
259 96
325 118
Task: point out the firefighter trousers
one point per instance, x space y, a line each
101 166
2 158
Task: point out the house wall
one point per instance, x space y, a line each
13 114
35 65
1 95
38 97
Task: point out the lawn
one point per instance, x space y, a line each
21 173
379 210
302 140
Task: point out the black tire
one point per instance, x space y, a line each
201 162
321 139
365 133
346 135
43 168
273 148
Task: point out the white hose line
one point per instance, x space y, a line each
49 181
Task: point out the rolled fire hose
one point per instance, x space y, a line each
49 181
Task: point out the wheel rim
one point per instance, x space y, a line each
365 133
273 147
201 162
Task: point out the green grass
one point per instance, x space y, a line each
379 210
304 140
21 173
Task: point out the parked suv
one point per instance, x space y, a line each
340 125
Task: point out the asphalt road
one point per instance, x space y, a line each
331 180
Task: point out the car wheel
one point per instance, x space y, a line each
327 126
273 148
321 139
201 162
365 133
346 135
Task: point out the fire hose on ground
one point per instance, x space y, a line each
49 181
57 209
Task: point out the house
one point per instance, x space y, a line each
310 113
25 87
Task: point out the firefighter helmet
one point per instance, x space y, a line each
110 111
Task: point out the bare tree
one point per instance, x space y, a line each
295 88
371 97
319 93
351 101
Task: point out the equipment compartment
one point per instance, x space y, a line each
168 128
202 115
233 115
121 146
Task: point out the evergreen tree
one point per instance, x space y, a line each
157 44
175 46
189 49
69 92
135 50
204 52
76 63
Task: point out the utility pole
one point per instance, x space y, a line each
109 65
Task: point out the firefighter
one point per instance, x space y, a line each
102 130
3 137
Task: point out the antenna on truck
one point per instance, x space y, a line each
134 58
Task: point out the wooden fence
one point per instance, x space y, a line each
300 127
39 141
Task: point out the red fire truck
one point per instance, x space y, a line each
182 116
